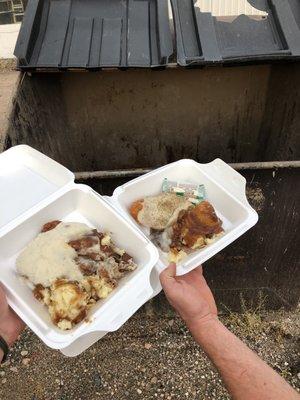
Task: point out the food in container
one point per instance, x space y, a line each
179 219
70 267
38 189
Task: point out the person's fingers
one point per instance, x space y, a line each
170 271
192 276
20 324
168 275
196 279
199 270
3 301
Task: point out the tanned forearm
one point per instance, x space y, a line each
245 375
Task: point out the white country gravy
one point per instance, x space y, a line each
49 257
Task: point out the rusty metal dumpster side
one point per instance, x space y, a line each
239 114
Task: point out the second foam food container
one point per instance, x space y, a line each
225 189
35 189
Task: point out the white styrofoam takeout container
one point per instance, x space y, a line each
225 189
48 192
34 190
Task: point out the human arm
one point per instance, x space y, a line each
10 324
245 375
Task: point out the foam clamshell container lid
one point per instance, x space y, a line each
34 189
225 31
89 34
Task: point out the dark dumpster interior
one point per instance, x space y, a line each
137 118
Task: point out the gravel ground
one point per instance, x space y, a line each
7 64
152 357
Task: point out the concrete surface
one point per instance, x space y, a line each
8 88
8 38
152 357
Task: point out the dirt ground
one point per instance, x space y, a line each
152 357
7 64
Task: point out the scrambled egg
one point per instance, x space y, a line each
175 257
97 287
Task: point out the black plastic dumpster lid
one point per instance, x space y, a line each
225 31
94 34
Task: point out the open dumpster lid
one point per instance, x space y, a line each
94 34
226 31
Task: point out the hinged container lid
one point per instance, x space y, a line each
27 178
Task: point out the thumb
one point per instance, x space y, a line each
168 275
3 301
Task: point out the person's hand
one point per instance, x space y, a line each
190 295
10 324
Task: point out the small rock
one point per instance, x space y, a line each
6 364
148 346
139 391
4 380
13 369
153 380
286 363
24 353
2 373
26 361
171 322
97 380
298 375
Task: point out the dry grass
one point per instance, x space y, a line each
250 320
